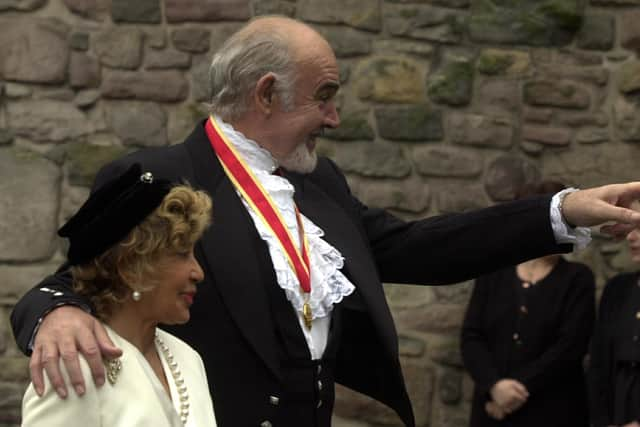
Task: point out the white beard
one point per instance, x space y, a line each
301 160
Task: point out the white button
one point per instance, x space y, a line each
319 403
274 400
319 369
265 424
319 385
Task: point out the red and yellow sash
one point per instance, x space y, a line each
262 204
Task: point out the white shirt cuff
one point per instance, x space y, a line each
578 236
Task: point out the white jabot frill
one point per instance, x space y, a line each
328 285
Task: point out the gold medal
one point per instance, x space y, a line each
307 315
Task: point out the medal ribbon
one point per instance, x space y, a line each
262 204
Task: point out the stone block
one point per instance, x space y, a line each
183 119
401 296
119 47
354 126
347 42
629 31
456 198
354 13
553 93
138 123
499 96
480 131
629 77
537 115
460 292
21 5
453 84
419 379
446 161
139 11
6 136
166 59
33 50
589 74
84 160
161 86
15 369
193 40
86 98
532 22
373 160
579 119
627 120
274 7
391 79
412 123
206 10
47 120
424 23
410 347
16 90
592 135
504 62
417 48
449 386
96 10
438 318
615 2
547 135
443 3
592 165
18 279
84 71
79 41
597 32
199 74
445 350
11 402
506 174
410 195
32 183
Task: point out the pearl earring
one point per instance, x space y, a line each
136 296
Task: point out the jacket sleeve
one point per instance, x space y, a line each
448 248
476 355
52 292
572 338
600 371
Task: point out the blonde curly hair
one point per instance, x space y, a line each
173 227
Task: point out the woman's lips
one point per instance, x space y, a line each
188 297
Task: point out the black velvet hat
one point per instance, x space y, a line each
111 212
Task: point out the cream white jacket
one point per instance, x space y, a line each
137 397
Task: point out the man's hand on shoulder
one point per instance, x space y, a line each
64 332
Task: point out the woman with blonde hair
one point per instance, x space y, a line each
131 252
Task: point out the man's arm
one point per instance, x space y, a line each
54 291
52 322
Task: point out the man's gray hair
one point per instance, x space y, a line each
238 65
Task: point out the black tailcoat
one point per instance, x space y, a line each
231 324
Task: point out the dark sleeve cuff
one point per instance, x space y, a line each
52 292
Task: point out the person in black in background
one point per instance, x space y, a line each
614 370
525 334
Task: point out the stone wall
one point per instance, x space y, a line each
447 105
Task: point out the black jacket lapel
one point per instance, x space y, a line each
231 248
340 232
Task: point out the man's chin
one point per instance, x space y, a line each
304 164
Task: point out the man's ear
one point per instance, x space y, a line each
264 95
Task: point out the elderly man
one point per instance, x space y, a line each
292 301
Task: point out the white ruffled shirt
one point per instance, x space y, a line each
328 285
